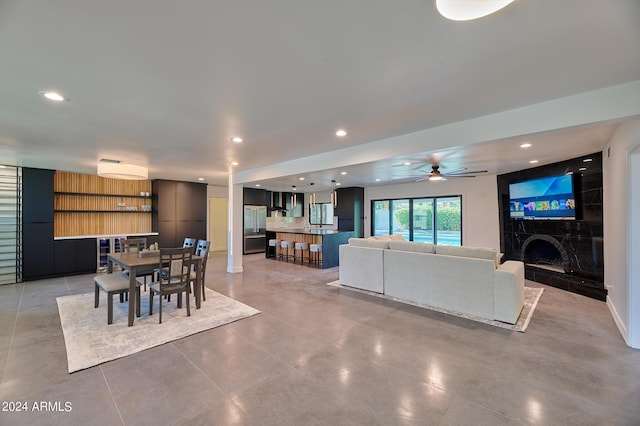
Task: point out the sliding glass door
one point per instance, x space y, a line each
435 220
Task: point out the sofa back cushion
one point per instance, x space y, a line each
473 252
412 246
393 237
366 242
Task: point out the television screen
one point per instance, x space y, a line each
550 197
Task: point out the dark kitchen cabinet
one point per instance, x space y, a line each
37 250
350 210
37 223
179 211
75 256
255 197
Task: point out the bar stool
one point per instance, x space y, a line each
273 243
286 245
316 259
302 246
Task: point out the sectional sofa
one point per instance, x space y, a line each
469 280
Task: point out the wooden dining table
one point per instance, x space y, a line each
134 263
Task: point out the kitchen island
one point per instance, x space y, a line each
329 238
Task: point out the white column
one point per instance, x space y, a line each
234 228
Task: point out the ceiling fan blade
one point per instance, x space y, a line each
422 178
458 176
466 173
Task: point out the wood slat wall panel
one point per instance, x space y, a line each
99 223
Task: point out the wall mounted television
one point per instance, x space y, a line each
545 198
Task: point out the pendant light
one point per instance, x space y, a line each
334 194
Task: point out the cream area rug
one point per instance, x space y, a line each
90 341
531 298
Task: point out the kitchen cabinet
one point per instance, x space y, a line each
37 223
179 211
350 210
255 197
75 256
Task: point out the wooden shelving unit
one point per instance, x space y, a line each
92 205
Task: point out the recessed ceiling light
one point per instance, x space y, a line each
582 169
258 185
234 163
53 96
200 178
466 10
341 133
587 160
525 145
343 173
378 180
236 139
533 161
338 184
300 178
406 163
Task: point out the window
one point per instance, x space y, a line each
436 220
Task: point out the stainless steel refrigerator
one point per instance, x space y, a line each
255 224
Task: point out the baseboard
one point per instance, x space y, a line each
619 323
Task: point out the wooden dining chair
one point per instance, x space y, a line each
114 284
135 245
202 250
177 263
189 242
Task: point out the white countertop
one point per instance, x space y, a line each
79 237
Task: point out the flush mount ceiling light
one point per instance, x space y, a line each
341 133
236 139
53 96
122 171
466 10
525 145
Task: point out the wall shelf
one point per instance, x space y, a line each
92 205
102 211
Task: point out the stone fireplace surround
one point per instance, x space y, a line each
566 254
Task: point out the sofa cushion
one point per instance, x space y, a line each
412 246
473 252
365 242
393 237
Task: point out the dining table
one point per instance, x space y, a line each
134 262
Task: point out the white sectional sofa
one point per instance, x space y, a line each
469 280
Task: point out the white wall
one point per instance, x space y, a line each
618 249
480 223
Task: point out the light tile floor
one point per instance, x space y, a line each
318 355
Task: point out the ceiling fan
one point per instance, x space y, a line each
436 175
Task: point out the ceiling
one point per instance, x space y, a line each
165 85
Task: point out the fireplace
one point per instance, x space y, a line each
544 251
566 254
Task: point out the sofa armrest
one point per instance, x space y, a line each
362 267
508 291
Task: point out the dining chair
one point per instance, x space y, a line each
135 245
114 284
177 262
202 250
189 242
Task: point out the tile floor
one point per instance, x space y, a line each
318 355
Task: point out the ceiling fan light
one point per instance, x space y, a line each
435 178
466 10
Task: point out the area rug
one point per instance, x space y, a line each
90 341
531 298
